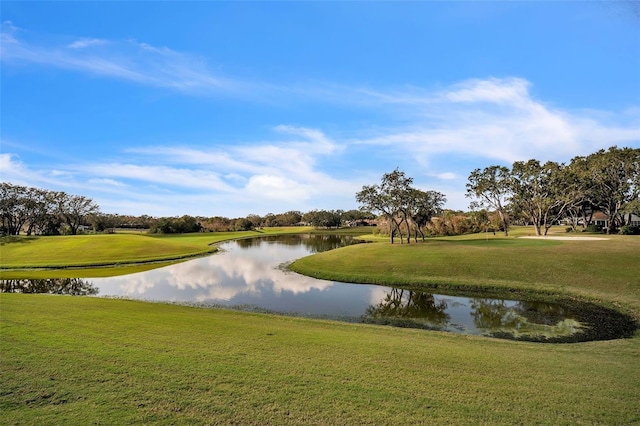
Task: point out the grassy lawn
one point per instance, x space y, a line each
83 360
605 270
72 360
92 256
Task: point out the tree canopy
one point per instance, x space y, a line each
607 181
405 207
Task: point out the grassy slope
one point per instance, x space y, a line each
71 360
607 270
130 252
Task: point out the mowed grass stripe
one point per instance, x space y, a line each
69 360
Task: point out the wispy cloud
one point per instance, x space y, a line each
261 176
86 42
498 119
122 59
489 120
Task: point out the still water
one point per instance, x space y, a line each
251 275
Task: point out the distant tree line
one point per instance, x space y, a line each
35 211
542 195
528 193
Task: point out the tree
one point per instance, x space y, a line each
356 217
391 198
492 186
74 208
541 192
580 192
403 206
424 206
615 179
13 207
243 224
42 217
324 218
290 218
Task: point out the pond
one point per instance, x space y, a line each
251 275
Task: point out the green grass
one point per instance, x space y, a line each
82 360
84 256
606 270
72 360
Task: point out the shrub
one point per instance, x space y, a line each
630 230
594 228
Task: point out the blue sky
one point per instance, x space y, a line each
237 108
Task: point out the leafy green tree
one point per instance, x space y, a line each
541 192
615 182
424 205
580 190
13 207
404 207
74 208
323 218
492 187
356 217
390 198
243 224
290 218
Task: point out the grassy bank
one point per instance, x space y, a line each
72 360
107 255
604 270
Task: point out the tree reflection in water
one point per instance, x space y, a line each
527 320
410 308
315 243
493 314
522 320
70 286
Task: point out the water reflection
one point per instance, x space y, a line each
313 243
70 286
244 272
507 318
248 274
409 307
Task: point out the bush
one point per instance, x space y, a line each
594 228
630 230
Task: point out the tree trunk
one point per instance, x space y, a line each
504 222
536 225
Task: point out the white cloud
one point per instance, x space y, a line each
277 188
447 176
493 119
86 42
9 166
498 119
511 91
253 177
314 141
126 60
109 182
165 175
